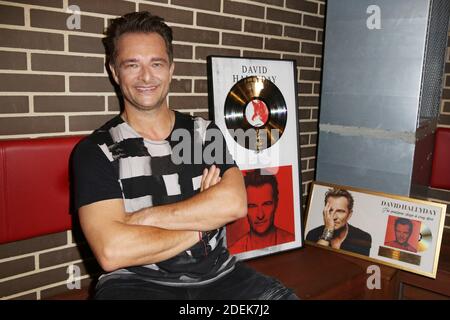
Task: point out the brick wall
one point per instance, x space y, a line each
53 83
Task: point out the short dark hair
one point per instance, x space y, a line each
337 193
136 22
254 178
404 221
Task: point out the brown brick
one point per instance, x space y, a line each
447 67
263 28
213 5
66 63
272 2
181 85
313 138
31 83
239 40
302 5
304 139
202 53
58 20
86 44
308 176
261 54
88 123
322 9
195 35
302 61
315 114
113 7
18 266
446 94
317 88
53 258
31 40
13 104
217 21
447 80
61 289
200 86
308 101
46 3
68 103
11 15
29 125
444 119
300 33
190 69
90 84
13 60
182 51
170 14
439 194
304 164
304 87
446 107
28 296
188 102
319 62
304 114
308 126
320 36
311 48
282 45
311 75
16 248
243 9
113 103
313 21
36 280
283 16
312 164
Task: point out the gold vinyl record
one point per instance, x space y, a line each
255 113
425 238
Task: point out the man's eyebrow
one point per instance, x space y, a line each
128 61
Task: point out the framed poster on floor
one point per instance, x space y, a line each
254 103
398 231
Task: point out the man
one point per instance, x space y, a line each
262 203
155 225
403 229
337 232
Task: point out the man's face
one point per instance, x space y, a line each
142 70
339 210
402 233
261 208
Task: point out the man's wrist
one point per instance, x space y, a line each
327 234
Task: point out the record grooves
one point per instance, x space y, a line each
256 106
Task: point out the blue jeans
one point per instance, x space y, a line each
243 283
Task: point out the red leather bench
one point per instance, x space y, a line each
34 187
440 172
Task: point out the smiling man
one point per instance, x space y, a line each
155 226
262 203
336 232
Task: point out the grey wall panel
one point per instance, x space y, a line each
377 164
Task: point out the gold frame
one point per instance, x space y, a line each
431 272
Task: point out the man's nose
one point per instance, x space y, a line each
145 74
260 213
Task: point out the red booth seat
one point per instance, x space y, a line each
440 172
34 187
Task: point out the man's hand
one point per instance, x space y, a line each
210 177
328 217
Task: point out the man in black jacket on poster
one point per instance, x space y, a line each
336 232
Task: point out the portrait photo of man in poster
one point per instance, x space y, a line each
269 203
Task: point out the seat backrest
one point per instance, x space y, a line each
34 187
440 172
